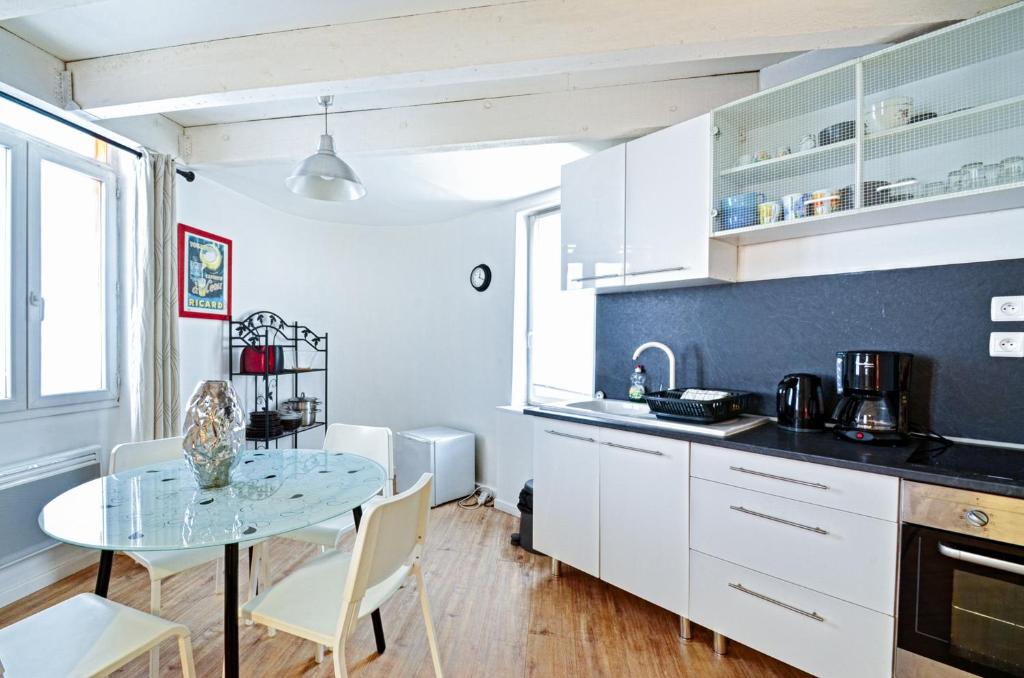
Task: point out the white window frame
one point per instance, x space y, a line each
26 400
529 396
17 148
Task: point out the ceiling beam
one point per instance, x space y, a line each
488 43
10 9
29 69
598 114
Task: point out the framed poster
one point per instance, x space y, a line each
204 274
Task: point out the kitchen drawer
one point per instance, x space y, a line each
840 640
842 554
865 493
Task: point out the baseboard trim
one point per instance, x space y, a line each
506 507
42 569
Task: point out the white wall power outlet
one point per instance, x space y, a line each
1006 345
1008 309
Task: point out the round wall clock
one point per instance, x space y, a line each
480 277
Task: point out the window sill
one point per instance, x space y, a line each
57 410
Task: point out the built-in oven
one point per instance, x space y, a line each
961 584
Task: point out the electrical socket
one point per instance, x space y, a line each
1006 345
1008 309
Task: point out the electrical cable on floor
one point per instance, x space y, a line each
463 503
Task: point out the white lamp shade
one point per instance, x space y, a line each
325 176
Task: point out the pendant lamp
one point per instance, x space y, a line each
323 175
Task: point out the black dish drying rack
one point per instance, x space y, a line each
670 405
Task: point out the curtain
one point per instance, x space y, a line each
153 382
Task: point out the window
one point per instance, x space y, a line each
560 325
58 266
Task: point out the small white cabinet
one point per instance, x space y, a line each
668 203
566 493
644 517
593 218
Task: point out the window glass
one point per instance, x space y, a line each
561 323
5 273
58 134
72 281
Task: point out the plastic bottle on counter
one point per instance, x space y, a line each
638 383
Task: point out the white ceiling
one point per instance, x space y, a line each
412 189
98 28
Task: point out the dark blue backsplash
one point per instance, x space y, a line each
746 336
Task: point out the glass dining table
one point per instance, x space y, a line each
160 508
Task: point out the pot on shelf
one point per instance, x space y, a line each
305 406
214 433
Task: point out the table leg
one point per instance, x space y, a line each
231 610
378 626
103 574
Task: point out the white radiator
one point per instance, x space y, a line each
27 486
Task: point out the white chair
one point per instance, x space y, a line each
323 599
87 636
372 442
163 564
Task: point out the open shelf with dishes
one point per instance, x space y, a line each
267 354
929 128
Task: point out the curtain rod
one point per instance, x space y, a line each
188 175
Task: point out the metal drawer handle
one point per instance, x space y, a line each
659 270
978 559
762 474
569 435
743 589
597 277
635 449
747 511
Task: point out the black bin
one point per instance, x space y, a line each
524 537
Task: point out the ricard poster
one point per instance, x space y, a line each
204 274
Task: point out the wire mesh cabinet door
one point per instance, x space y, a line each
944 113
787 154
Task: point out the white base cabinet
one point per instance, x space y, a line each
615 505
644 517
566 493
814 632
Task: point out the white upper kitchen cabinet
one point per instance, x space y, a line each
668 209
593 218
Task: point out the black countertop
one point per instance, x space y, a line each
995 470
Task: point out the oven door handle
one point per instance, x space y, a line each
986 561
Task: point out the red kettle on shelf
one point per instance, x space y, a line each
261 360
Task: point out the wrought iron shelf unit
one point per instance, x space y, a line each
264 329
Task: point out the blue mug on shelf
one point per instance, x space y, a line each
740 211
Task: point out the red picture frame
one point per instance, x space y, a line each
205 263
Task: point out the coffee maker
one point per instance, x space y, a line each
874 396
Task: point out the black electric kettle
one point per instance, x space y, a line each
800 404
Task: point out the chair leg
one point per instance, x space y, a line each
154 607
265 566
319 654
188 666
323 548
431 637
338 656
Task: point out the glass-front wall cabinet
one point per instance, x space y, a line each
937 117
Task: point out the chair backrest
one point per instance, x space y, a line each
132 455
372 442
390 537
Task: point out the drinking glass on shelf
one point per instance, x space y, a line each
1011 169
955 181
991 174
973 175
934 188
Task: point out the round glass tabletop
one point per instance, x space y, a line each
159 507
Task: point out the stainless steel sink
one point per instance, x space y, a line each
640 415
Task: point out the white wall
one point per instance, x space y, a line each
411 343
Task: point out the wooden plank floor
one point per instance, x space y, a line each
497 610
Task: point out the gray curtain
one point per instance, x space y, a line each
153 382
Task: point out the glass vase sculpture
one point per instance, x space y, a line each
214 432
